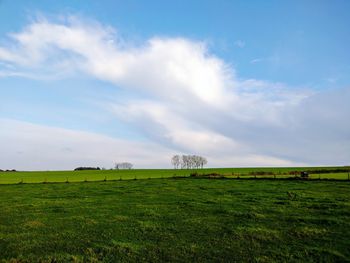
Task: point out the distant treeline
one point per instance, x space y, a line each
86 168
13 170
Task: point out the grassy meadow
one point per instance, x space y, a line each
181 220
100 175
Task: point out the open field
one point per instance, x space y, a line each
80 176
176 220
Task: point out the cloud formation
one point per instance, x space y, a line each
26 146
188 99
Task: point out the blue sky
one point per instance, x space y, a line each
245 83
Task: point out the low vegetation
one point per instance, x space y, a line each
86 168
182 219
83 175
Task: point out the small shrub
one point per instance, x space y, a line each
195 174
304 175
86 168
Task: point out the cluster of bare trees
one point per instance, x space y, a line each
188 161
124 165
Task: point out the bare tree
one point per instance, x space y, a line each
123 165
203 161
185 161
197 161
175 161
188 161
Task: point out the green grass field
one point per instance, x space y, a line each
80 176
182 220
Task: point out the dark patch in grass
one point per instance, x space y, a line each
281 202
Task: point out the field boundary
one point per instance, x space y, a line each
282 173
198 177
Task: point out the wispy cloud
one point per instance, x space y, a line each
28 146
192 101
332 80
256 60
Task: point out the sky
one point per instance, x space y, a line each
243 83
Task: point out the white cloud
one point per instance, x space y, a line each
27 146
332 80
256 60
175 130
192 101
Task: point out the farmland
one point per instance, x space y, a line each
174 219
340 173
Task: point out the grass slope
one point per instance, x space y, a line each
80 176
176 220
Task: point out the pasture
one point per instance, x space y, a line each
339 173
182 220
